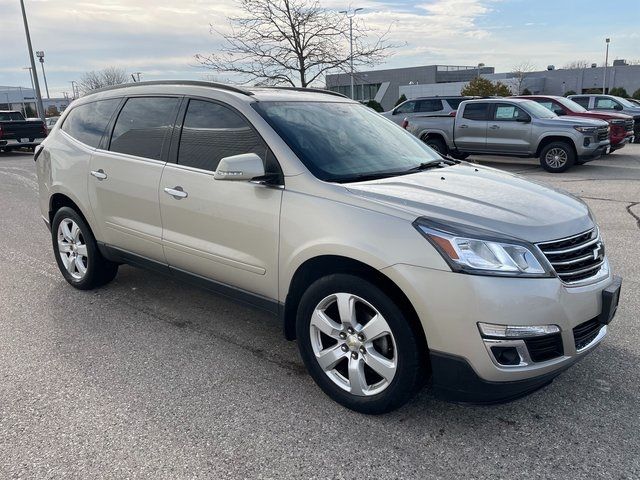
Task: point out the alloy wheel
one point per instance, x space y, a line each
556 157
353 344
72 248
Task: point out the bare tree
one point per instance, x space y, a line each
102 78
577 64
520 73
292 42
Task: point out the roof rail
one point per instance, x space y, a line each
197 83
305 89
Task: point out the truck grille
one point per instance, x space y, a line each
603 133
586 332
628 125
575 258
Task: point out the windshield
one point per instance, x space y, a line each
537 110
342 142
571 105
626 103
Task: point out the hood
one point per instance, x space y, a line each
482 197
607 115
567 120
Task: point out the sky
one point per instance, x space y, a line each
160 37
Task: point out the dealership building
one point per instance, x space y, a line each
386 86
24 100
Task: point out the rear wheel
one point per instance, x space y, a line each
557 157
76 252
357 344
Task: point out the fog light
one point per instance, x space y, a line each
506 355
516 331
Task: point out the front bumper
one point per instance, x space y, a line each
595 151
450 305
617 145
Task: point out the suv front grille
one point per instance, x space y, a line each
603 133
575 258
628 125
586 332
545 348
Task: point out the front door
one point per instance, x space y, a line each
223 230
124 181
509 130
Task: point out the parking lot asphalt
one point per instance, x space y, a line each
148 378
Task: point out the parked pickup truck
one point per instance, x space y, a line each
514 127
16 132
621 125
610 103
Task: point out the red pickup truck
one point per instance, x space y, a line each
621 125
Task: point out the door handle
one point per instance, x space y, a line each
176 192
464 126
99 174
494 127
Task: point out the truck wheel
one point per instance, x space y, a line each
459 156
437 145
358 345
557 157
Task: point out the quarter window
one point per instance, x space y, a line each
476 111
212 132
87 123
143 126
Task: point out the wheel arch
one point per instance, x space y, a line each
555 138
59 200
323 265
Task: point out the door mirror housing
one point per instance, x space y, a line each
523 119
240 167
617 106
559 112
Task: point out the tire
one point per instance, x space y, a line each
557 157
7 150
398 355
459 156
438 145
71 237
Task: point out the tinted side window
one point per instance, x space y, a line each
508 112
476 111
211 132
87 123
407 107
143 126
454 103
429 106
584 101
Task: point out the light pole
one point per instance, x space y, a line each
39 105
40 55
350 14
73 89
480 65
8 104
30 77
606 61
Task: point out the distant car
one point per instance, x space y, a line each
620 133
424 107
634 101
18 132
611 103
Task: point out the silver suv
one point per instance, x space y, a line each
390 266
424 107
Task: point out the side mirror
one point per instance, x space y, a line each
240 167
559 112
526 119
617 106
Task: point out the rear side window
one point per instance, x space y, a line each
584 101
211 132
476 111
429 106
143 126
87 123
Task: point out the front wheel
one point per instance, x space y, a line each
358 345
438 145
557 157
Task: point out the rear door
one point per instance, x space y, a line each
509 130
470 128
125 175
226 231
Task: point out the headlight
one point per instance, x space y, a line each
483 254
587 130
